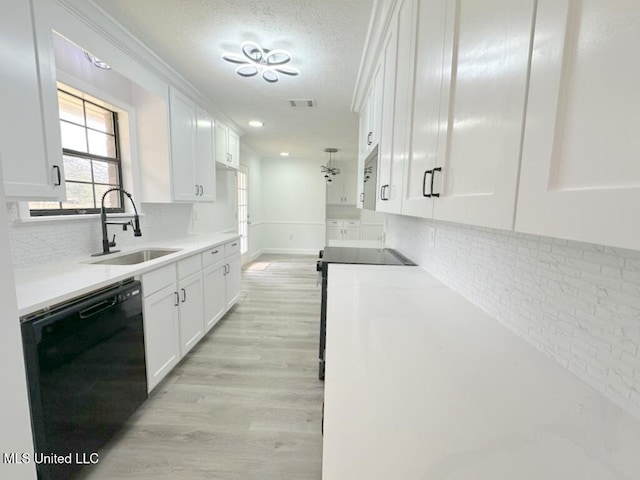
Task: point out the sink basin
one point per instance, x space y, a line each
135 257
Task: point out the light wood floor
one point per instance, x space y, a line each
246 403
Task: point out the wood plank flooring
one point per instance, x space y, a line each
246 403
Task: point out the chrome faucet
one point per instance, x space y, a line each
135 223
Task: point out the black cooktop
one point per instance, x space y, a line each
367 256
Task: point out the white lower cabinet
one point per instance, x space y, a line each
343 230
161 338
183 301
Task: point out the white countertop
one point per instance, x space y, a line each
422 385
38 287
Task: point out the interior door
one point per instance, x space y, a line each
580 169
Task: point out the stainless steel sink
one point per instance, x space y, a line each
135 257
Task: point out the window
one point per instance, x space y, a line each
91 156
243 209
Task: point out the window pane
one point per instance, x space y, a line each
79 195
105 172
70 108
111 201
73 137
77 168
101 144
99 118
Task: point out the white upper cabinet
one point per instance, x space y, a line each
394 79
487 46
580 176
192 150
429 71
30 145
472 60
373 112
227 146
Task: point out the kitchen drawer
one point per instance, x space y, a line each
213 255
351 223
232 248
334 223
189 266
158 279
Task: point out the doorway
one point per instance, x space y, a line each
243 210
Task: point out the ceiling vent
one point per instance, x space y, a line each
304 102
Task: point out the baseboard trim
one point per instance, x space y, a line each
292 251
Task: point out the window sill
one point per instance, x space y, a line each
72 218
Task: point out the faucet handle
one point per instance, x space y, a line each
112 243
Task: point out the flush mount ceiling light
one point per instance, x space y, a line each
329 169
96 61
255 59
256 123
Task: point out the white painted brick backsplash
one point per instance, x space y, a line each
45 242
579 303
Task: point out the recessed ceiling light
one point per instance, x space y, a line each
284 154
256 123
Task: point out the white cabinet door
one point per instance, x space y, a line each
426 108
374 108
334 233
30 145
215 296
222 143
396 109
161 338
205 177
183 148
488 45
335 191
234 150
191 312
351 233
233 280
580 175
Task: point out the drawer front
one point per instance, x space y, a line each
189 266
334 223
213 255
232 248
351 223
158 279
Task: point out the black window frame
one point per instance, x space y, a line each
43 212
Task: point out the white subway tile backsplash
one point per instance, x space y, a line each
579 303
35 243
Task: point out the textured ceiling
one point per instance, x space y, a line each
325 38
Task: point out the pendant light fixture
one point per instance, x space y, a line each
330 170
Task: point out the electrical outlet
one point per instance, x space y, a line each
432 237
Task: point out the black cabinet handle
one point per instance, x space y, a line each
362 197
369 141
382 191
214 252
58 176
177 299
184 295
234 244
424 183
433 174
201 190
197 189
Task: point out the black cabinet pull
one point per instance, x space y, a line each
201 190
369 141
197 189
58 176
234 244
433 174
362 197
184 295
383 189
214 252
424 183
177 299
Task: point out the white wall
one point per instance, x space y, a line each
578 303
219 216
293 206
15 434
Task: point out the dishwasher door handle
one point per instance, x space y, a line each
98 307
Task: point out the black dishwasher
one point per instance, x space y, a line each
86 372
